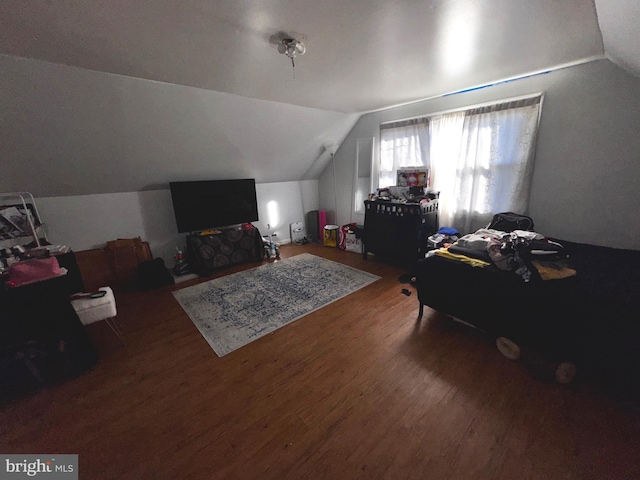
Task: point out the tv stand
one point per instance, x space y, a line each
209 252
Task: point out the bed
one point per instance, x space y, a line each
590 320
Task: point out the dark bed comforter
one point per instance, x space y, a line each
591 319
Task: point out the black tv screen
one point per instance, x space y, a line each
200 205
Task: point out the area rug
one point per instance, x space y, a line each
236 309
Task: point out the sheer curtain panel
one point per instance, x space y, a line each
446 140
485 165
402 144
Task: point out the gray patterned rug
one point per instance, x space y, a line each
237 309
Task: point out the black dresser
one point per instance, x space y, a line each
41 337
399 231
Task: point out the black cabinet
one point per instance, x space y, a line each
41 337
399 231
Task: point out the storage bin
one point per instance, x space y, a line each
331 235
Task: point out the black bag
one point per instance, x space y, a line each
23 368
153 274
509 221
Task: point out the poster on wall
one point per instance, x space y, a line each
412 177
15 218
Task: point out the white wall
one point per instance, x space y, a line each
309 195
283 203
89 221
587 167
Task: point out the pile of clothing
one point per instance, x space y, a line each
444 237
526 253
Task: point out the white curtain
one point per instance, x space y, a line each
446 141
484 166
402 144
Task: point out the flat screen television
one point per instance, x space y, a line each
203 204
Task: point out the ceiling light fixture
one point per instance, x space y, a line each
291 48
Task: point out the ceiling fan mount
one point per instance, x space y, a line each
291 47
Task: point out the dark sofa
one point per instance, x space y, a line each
591 319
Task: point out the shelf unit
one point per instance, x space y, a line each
35 230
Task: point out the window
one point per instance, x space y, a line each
480 159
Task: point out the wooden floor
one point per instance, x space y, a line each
358 389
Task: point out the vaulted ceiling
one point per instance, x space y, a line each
361 56
619 20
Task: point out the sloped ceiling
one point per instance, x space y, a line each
361 56
619 20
